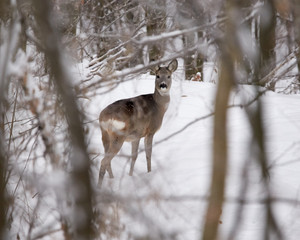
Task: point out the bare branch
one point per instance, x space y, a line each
81 191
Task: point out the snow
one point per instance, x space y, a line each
174 194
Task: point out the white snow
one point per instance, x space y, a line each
174 194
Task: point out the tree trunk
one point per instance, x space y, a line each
296 26
267 40
217 186
80 179
156 24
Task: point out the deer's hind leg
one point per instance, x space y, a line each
106 145
115 144
105 140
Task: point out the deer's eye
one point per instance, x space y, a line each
168 76
157 76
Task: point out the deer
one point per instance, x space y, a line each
135 118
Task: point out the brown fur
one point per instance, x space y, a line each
142 116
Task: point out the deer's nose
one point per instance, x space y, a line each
163 85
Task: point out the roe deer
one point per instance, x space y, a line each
134 118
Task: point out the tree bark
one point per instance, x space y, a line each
267 40
3 202
81 187
296 26
217 187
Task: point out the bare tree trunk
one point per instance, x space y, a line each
5 10
3 159
193 64
156 24
6 55
267 40
81 190
3 202
258 145
296 27
217 187
255 115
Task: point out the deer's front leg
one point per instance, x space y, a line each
134 154
148 149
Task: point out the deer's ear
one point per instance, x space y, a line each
155 69
173 65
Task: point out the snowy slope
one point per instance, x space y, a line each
173 194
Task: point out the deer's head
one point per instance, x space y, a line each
163 80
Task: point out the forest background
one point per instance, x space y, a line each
57 57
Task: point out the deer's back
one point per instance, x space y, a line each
133 117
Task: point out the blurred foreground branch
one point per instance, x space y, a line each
217 186
2 184
80 187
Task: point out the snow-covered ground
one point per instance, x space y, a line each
172 196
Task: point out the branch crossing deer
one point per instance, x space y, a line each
134 118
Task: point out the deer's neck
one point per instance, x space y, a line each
162 100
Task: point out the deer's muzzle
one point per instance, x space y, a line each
163 86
